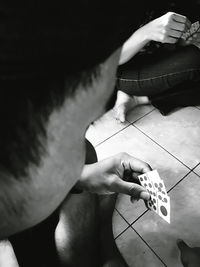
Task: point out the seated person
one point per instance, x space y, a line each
167 63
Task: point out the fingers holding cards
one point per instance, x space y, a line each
189 33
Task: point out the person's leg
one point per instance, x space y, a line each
126 103
84 234
78 213
152 74
78 234
36 246
110 255
149 76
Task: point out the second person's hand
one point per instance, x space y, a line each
167 28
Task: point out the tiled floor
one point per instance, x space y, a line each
171 145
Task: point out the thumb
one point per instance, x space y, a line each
134 190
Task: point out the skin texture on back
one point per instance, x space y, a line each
61 166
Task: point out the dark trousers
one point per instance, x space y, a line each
156 73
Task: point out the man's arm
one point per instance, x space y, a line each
117 174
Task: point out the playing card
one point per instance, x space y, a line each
164 207
194 28
159 200
157 182
148 184
186 35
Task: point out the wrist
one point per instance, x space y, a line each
144 34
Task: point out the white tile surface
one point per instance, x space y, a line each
178 133
138 145
135 251
185 222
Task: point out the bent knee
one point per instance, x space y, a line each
191 56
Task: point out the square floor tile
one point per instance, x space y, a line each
178 133
135 143
107 125
139 255
185 222
130 211
103 128
138 112
197 170
119 224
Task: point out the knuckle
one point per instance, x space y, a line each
123 155
184 18
163 39
109 183
164 32
169 14
183 27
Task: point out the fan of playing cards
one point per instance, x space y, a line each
189 35
159 200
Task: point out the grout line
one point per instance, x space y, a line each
125 221
129 123
112 135
179 181
139 217
161 147
149 247
140 117
130 226
196 174
191 171
122 232
195 168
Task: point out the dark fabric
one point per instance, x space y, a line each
171 79
152 74
183 95
36 246
47 36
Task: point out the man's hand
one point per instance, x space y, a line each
167 28
115 174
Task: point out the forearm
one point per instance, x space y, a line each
165 29
133 45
